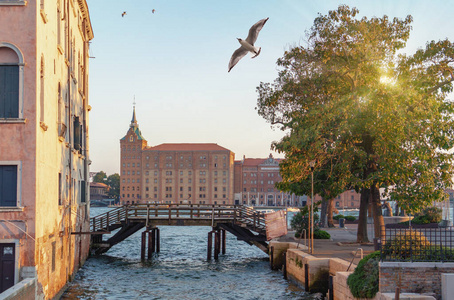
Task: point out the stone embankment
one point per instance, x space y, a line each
328 268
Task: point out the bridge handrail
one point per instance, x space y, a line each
236 213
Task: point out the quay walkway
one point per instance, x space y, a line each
244 222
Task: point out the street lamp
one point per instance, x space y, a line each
311 218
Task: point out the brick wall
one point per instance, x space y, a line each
416 277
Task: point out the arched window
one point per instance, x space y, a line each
11 82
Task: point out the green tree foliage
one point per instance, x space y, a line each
370 118
113 181
99 177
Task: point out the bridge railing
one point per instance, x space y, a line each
172 211
103 221
251 217
236 213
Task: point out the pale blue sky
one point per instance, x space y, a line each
175 63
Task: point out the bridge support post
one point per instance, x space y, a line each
223 240
157 239
217 244
150 242
210 245
142 246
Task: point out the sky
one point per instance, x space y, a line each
173 63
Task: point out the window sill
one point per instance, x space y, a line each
11 209
13 2
13 121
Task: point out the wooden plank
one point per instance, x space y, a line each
276 224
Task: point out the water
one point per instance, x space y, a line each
180 271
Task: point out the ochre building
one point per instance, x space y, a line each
44 153
174 173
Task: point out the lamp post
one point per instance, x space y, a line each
311 218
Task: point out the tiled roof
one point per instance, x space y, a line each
254 162
188 147
98 184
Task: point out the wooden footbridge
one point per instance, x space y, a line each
244 222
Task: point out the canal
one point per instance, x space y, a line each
180 271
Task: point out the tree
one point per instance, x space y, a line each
113 181
100 177
370 118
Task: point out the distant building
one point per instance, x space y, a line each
44 149
255 180
349 199
98 191
174 173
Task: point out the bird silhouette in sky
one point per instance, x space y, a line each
123 14
153 10
247 45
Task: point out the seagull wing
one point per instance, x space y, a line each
254 31
237 55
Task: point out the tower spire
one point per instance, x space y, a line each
134 120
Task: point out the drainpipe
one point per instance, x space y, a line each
68 55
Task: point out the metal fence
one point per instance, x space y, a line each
418 244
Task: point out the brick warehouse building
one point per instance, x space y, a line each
202 174
254 183
174 173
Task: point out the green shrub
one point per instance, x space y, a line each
350 218
337 217
405 245
321 235
432 214
363 282
300 220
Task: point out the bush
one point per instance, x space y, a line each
363 282
406 245
432 214
350 218
321 235
337 217
300 220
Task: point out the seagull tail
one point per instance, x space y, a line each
257 52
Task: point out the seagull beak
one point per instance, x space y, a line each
238 39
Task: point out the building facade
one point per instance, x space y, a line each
174 173
255 180
44 150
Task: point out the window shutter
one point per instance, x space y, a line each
76 133
9 91
8 185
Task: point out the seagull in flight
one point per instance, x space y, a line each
247 45
123 14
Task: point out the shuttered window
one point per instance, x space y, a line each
9 91
8 185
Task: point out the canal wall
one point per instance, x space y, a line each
416 282
23 290
413 277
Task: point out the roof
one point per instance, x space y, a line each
98 184
255 162
188 147
137 132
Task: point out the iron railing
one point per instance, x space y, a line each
418 244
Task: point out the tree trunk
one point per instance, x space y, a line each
323 212
379 223
330 213
361 235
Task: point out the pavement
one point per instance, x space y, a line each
341 245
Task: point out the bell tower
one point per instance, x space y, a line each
131 146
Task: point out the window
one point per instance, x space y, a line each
9 185
11 82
